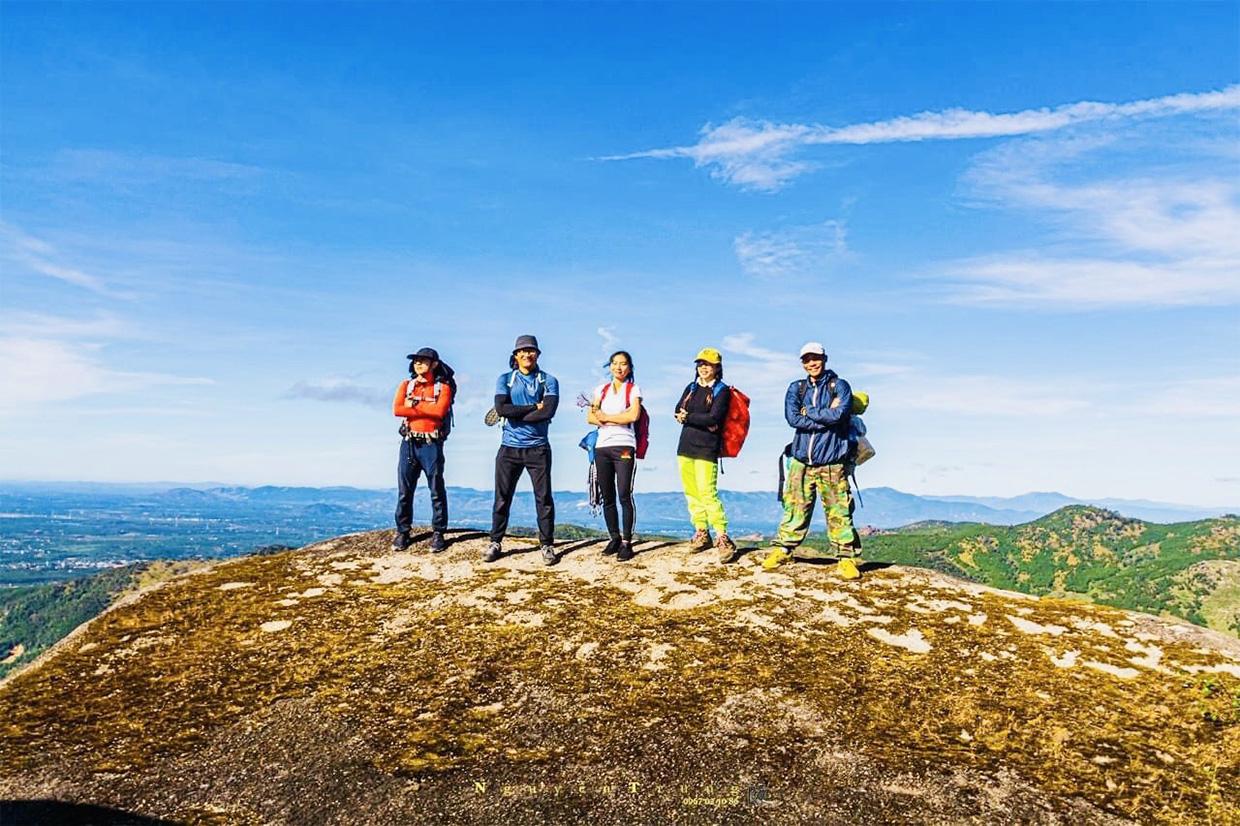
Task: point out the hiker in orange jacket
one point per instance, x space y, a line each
424 401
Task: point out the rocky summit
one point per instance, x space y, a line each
342 683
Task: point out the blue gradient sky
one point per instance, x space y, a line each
224 224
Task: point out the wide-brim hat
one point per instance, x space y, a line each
526 343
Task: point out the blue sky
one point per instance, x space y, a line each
222 226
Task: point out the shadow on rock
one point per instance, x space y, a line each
42 812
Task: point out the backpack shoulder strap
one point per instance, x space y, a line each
628 395
603 393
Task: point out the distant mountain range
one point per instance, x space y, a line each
658 512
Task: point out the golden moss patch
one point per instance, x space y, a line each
438 676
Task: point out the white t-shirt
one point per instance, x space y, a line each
616 435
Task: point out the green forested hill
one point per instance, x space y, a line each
1189 569
35 617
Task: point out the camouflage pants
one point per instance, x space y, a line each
802 485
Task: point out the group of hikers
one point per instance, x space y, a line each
819 407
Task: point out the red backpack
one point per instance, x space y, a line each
735 426
641 427
735 423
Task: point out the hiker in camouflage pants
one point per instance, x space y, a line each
804 484
819 409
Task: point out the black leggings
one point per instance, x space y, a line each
616 468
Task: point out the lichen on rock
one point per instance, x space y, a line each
668 689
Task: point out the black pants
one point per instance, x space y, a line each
417 458
509 463
616 467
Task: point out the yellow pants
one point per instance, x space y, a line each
700 478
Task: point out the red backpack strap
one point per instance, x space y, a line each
603 394
628 395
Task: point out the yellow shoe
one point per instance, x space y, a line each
847 569
778 556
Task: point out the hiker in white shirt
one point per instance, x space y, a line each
616 407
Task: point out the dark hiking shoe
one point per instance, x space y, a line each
548 555
612 546
438 543
492 554
700 541
726 547
626 552
401 541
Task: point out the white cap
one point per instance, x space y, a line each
813 348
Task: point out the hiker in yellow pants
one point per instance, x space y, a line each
700 479
701 412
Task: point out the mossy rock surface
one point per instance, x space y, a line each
343 683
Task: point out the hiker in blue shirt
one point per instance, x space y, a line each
526 397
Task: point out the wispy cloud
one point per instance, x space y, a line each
610 341
1156 238
802 250
334 389
128 169
44 325
977 395
39 370
1027 279
759 154
35 255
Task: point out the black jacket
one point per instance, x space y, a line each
702 432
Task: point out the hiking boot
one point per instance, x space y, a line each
613 546
548 555
700 540
493 553
401 541
847 569
438 543
778 556
726 547
626 551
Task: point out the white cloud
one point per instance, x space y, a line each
978 395
756 154
38 256
126 169
43 325
802 250
34 371
1198 397
610 341
1089 283
1157 238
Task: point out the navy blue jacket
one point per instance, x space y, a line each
822 432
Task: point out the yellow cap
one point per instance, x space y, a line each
709 355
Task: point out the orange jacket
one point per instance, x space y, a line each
427 414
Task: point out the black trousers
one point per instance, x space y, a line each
509 463
616 467
415 459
